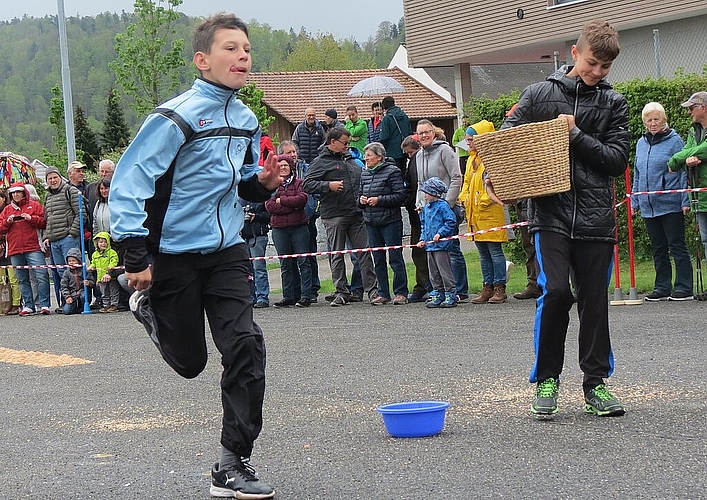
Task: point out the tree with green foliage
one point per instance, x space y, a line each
58 156
149 54
116 134
86 140
252 97
324 53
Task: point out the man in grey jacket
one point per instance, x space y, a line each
61 209
336 177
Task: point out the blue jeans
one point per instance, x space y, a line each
493 262
261 288
76 307
289 240
60 247
461 280
389 235
32 259
313 264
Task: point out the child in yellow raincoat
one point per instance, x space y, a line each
482 213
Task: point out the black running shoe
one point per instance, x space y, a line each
656 296
140 306
240 481
545 401
681 296
599 401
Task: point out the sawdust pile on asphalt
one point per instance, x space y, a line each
41 359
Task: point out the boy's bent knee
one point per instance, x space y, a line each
187 370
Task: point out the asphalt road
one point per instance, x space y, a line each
125 427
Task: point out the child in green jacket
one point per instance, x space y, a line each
103 260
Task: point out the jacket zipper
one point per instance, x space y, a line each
574 191
233 174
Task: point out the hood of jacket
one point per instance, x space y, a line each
103 235
483 127
24 200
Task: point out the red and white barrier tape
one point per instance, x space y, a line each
319 254
396 247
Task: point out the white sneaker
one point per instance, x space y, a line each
26 311
46 311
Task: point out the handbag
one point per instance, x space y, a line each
5 293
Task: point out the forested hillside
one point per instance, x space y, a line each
31 66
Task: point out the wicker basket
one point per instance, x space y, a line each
527 161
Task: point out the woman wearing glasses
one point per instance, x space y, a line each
436 158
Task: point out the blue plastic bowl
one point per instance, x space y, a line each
414 418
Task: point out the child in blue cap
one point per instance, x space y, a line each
437 221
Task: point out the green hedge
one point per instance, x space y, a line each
669 92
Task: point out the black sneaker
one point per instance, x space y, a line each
140 306
599 401
303 303
545 401
284 303
681 296
239 481
356 297
656 296
339 300
415 297
261 304
330 297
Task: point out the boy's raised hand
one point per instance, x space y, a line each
269 177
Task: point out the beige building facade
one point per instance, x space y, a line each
657 37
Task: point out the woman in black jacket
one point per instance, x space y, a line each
381 194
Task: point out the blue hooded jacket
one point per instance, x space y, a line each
437 217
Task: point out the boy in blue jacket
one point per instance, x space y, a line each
174 195
438 221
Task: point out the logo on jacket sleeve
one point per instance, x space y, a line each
203 122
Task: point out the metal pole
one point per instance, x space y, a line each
86 298
656 50
556 58
66 85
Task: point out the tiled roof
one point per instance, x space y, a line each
290 93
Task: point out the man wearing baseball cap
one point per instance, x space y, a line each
693 157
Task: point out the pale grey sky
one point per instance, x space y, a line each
359 19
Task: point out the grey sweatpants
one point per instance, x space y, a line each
441 276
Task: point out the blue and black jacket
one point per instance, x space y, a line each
175 190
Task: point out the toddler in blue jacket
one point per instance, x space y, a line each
437 221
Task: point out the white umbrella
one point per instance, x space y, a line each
376 85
